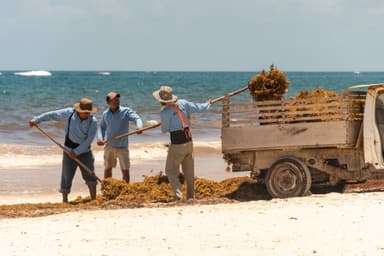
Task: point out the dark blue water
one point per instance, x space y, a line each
23 97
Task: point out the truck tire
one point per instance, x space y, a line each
288 177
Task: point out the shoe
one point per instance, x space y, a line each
65 198
177 199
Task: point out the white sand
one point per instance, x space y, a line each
331 224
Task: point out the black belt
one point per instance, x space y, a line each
180 137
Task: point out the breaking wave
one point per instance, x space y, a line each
16 156
34 73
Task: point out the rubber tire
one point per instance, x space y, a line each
288 177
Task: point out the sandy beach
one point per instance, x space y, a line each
329 224
320 224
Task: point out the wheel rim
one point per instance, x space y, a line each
286 180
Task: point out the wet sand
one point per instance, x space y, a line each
41 185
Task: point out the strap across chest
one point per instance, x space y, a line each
183 136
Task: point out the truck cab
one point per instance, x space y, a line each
374 127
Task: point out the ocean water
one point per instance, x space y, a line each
24 95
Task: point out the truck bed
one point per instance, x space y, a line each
285 124
303 135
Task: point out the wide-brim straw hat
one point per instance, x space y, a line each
165 95
85 105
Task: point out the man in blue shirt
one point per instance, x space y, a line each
80 130
115 121
174 119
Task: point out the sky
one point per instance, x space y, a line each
197 35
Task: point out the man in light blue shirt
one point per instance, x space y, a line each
115 121
80 130
174 119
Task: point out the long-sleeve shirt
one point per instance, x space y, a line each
170 120
117 123
81 132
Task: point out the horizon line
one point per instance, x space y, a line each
164 70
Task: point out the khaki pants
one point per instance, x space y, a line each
181 154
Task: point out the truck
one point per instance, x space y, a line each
293 145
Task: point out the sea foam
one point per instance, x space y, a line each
16 156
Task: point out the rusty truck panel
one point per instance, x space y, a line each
285 136
309 123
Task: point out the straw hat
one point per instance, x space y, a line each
85 105
165 95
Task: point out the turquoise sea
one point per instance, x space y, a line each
22 97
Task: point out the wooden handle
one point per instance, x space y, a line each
229 94
68 153
133 132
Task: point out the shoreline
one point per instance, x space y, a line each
40 184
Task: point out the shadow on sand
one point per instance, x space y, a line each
248 191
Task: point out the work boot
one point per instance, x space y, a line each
125 175
107 173
65 198
92 191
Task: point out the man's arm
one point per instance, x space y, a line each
101 132
56 115
132 116
193 107
84 145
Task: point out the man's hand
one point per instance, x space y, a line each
151 122
72 155
209 101
100 142
138 131
32 123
